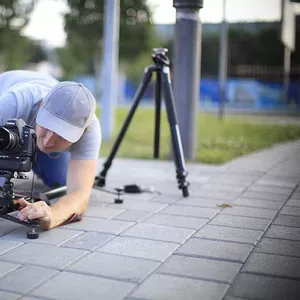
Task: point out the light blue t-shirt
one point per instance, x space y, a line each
21 93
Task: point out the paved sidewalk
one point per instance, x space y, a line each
236 237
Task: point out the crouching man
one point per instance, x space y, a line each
68 139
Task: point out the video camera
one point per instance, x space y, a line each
17 146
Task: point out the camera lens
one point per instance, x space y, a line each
9 140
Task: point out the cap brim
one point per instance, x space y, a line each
64 129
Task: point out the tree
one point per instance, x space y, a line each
84 28
14 48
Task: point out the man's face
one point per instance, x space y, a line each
48 141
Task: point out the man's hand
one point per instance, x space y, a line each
39 211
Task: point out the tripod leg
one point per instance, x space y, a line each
157 114
100 179
181 172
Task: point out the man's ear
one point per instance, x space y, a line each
41 103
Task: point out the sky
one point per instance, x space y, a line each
46 22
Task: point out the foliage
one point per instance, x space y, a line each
256 48
84 27
245 47
14 48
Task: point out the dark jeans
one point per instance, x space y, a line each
52 168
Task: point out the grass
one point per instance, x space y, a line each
218 141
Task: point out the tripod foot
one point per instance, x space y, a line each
185 191
99 181
182 183
32 234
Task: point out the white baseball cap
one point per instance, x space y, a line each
67 110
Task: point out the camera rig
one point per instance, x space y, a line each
17 154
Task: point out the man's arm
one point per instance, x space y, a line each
80 180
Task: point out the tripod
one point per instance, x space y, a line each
163 82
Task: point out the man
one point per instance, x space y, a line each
68 139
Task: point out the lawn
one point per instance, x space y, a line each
218 141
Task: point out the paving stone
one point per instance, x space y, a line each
114 266
202 202
215 249
240 222
278 246
235 180
102 212
237 176
6 267
162 287
43 255
264 196
7 227
292 211
99 198
211 194
270 189
229 234
140 248
25 279
165 198
293 202
88 241
199 268
8 296
250 212
100 225
6 246
287 220
176 221
231 182
133 215
31 298
257 203
265 288
138 205
233 298
139 196
286 168
190 211
159 232
283 232
276 182
79 285
276 265
223 188
296 196
55 236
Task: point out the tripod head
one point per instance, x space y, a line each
160 58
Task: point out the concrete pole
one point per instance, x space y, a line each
110 67
287 72
186 70
223 60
